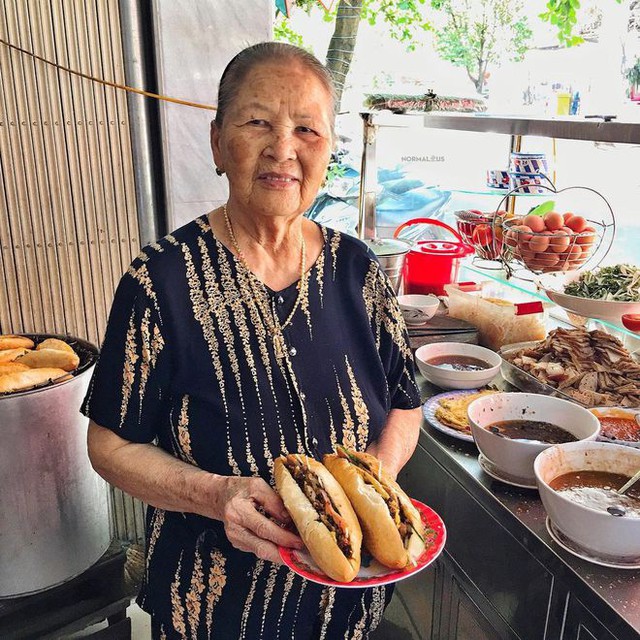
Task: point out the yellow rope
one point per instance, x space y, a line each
148 94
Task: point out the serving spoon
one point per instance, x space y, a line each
627 485
621 511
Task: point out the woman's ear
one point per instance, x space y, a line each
215 145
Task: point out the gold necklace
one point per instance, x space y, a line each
269 315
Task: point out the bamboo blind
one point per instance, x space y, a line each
68 225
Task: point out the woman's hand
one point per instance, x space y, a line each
243 505
157 478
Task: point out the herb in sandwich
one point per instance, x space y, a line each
620 283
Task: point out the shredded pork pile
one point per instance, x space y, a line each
590 366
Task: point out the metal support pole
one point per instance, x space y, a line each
368 180
152 224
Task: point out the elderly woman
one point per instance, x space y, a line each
248 333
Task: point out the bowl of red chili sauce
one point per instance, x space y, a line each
619 425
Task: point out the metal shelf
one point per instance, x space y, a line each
568 127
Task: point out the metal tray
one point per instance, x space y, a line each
525 381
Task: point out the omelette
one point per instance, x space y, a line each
452 411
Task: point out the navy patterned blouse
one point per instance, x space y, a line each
189 362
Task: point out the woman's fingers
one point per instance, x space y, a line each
246 541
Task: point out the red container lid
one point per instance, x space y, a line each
442 248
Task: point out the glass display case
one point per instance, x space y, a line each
454 152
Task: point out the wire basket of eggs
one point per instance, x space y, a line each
551 239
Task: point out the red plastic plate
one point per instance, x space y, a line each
372 573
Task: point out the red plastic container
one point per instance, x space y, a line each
430 264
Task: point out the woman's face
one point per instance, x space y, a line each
275 141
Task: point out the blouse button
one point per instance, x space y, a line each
280 300
293 351
314 441
303 397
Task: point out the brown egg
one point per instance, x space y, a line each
518 234
587 237
535 223
540 242
547 260
560 241
553 221
577 224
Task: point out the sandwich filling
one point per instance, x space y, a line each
372 474
312 487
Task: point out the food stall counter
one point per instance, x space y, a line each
502 575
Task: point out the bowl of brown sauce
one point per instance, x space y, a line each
454 365
578 485
511 429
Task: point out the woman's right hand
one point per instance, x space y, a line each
243 504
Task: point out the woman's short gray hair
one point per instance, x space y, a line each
240 66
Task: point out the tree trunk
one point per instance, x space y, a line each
343 42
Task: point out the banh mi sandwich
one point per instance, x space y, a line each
322 514
391 526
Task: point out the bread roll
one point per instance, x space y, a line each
9 341
55 343
391 526
50 358
31 378
9 355
12 367
311 519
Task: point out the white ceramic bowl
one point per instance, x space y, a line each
417 309
598 532
447 379
515 457
607 310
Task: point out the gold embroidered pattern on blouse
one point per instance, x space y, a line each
157 521
177 610
360 408
268 592
326 605
192 599
348 434
377 606
129 373
215 584
332 427
288 584
141 275
171 240
303 586
202 315
184 438
358 630
335 244
246 610
246 293
217 303
163 633
320 268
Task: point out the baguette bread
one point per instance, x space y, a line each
9 355
322 514
10 341
392 529
31 378
50 358
12 367
55 343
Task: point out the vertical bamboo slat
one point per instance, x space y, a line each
68 220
